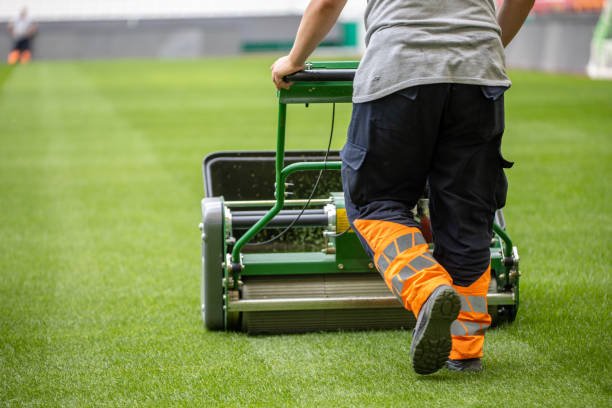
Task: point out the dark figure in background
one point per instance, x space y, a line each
22 30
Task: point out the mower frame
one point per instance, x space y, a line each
321 82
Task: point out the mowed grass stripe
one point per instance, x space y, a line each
27 285
111 317
70 176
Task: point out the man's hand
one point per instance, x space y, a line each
319 17
281 68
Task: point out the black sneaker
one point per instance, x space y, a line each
470 365
431 341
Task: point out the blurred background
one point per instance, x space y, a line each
557 36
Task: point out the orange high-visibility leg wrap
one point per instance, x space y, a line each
26 56
13 57
402 257
468 330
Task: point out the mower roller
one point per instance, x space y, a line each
279 256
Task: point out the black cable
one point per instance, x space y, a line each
340 234
314 189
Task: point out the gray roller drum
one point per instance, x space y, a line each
213 251
320 286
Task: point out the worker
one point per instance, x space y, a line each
22 30
428 107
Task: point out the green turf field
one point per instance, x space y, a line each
100 183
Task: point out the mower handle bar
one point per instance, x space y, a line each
321 75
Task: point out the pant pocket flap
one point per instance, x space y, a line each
410 93
504 163
353 155
493 92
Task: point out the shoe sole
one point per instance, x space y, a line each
432 345
461 366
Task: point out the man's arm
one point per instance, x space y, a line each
511 17
319 18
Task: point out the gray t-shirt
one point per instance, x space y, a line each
416 42
22 27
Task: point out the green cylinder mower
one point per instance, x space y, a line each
274 264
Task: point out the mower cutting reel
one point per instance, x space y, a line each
277 265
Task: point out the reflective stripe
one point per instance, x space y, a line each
391 251
398 284
421 262
479 303
473 329
382 264
398 280
465 307
476 304
404 242
457 329
429 256
396 247
405 273
460 328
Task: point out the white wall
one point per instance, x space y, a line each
139 9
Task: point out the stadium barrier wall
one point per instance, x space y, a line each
554 43
551 42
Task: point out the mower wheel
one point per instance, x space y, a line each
212 259
501 315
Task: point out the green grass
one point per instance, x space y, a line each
100 183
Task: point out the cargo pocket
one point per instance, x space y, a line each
353 156
492 112
397 111
501 187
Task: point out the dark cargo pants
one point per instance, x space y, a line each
449 136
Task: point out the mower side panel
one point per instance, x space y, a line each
212 259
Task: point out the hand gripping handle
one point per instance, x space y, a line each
321 75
